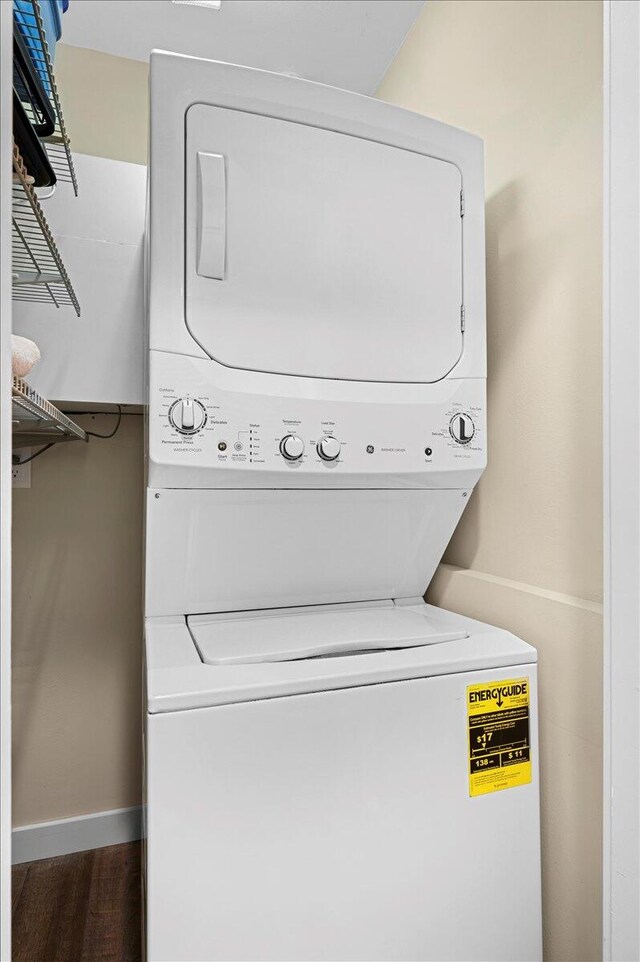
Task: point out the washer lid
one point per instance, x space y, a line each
254 638
317 253
177 678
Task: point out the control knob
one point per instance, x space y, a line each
292 447
462 428
187 415
328 448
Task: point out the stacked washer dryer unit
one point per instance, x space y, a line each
320 772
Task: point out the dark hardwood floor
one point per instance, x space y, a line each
84 907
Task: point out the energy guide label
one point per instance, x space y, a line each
499 745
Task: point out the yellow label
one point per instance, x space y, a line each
499 746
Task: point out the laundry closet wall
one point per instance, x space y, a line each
77 546
526 75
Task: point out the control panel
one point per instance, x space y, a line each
198 422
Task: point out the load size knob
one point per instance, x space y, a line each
187 415
292 447
328 448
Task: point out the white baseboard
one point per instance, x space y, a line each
66 835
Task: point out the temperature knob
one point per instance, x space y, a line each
292 447
328 448
187 415
462 428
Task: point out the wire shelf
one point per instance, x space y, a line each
37 269
38 421
58 145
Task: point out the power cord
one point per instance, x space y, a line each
93 434
16 461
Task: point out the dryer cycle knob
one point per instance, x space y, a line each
462 428
328 448
187 415
292 447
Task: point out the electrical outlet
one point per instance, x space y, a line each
21 473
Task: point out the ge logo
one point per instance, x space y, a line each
370 449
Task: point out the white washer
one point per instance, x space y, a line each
319 808
334 770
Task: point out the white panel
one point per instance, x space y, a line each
344 256
98 357
110 205
338 826
227 550
621 882
291 635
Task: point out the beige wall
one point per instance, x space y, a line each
77 627
77 547
526 75
106 103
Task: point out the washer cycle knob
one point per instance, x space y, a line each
328 448
187 415
292 447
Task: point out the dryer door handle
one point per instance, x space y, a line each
212 216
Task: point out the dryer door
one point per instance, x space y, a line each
316 253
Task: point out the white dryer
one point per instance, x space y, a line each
334 770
